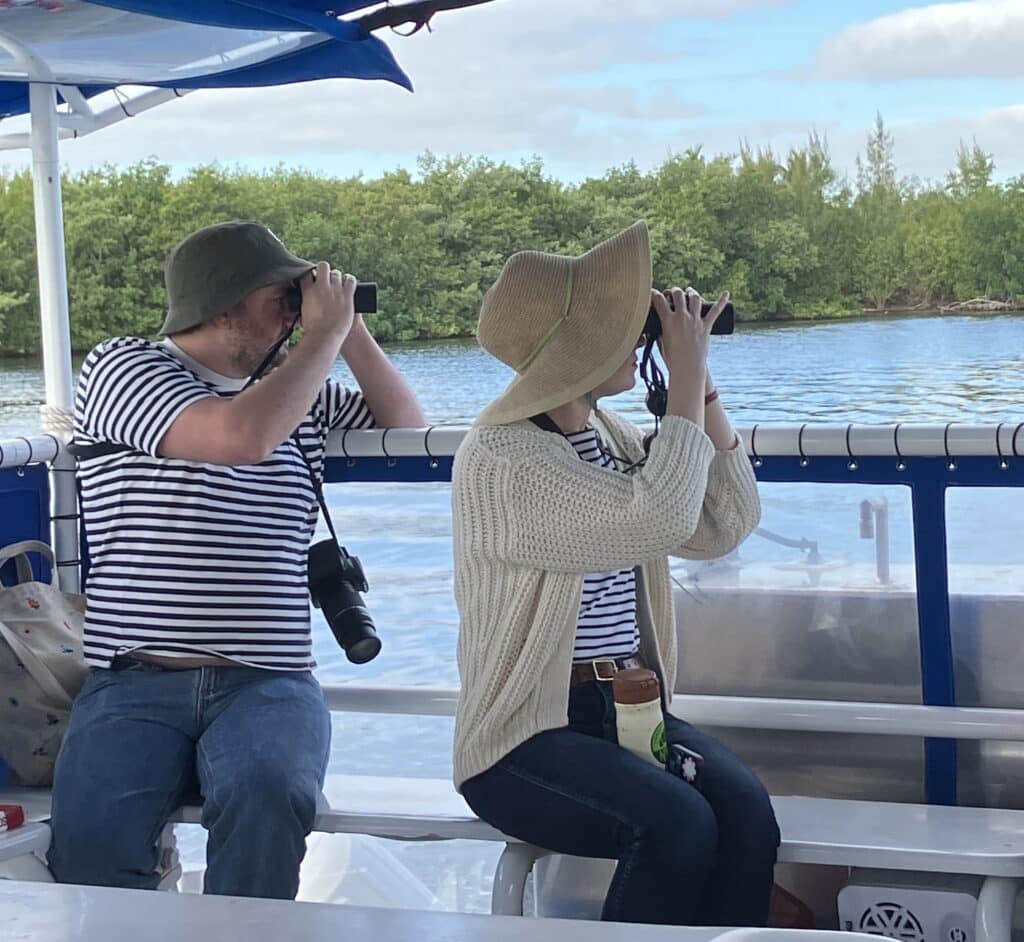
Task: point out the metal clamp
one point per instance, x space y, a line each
950 460
901 465
852 464
804 460
389 459
20 470
758 460
1013 442
349 460
1003 463
431 459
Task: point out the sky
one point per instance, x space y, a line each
586 85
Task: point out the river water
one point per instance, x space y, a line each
908 369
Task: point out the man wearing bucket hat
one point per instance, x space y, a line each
197 523
562 580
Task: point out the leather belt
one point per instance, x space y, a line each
184 663
601 668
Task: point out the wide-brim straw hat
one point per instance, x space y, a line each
565 323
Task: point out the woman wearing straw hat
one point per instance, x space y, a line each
561 578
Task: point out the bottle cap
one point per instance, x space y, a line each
635 685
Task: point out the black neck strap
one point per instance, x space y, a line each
544 421
257 374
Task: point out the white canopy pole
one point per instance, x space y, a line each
79 123
56 331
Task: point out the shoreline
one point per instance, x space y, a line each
770 320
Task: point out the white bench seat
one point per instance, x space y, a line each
895 836
985 842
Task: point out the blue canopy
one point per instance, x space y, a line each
185 44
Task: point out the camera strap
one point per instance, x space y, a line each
101 449
317 487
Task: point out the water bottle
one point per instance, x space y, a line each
641 725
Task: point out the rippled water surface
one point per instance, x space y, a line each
912 369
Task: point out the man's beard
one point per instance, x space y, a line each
245 356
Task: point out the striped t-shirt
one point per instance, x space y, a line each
607 621
189 558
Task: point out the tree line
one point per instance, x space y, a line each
789 237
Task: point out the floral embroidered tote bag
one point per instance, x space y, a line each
42 666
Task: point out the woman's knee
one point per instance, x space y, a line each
683 834
747 818
753 796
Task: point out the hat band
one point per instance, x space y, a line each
547 337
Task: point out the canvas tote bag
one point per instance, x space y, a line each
42 666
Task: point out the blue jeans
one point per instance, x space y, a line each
686 856
251 744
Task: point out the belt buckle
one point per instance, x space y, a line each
610 662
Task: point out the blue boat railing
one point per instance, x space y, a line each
927 459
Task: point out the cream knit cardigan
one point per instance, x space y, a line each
530 519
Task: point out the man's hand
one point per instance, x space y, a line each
328 303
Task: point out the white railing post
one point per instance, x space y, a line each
53 312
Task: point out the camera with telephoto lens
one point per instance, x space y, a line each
725 324
365 299
336 580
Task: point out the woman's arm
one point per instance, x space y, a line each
525 497
732 507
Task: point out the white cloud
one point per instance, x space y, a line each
488 80
979 38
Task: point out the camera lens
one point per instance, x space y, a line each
363 650
350 623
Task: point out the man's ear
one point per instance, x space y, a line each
221 321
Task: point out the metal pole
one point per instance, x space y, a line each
55 324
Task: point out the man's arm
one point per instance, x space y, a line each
387 394
248 427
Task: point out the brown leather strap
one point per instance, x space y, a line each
601 668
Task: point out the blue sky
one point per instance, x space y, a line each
602 83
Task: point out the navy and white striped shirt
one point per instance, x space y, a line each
607 621
189 558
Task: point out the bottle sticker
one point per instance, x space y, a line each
659 747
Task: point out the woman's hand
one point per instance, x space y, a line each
684 333
685 336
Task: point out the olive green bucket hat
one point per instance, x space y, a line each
213 269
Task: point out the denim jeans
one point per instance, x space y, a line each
685 856
251 744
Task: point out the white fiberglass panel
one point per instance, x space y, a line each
85 44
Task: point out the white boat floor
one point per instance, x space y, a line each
55 913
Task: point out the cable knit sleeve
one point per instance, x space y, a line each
527 499
731 508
